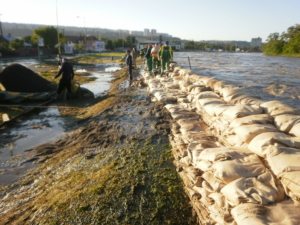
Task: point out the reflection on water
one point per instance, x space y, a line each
101 85
44 127
263 76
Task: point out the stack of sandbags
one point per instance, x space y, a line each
282 213
249 161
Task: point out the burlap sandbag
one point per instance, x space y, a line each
283 213
215 109
262 189
242 135
275 108
237 111
222 154
291 184
206 101
246 100
189 125
208 94
213 183
286 121
230 170
284 160
261 143
295 130
252 119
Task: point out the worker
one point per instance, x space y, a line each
149 58
67 73
165 55
155 57
129 63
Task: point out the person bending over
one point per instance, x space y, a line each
67 73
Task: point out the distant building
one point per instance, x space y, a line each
256 42
137 33
146 32
153 32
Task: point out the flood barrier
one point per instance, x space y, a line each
238 156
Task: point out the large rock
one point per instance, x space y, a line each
18 78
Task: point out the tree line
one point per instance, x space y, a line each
286 43
49 34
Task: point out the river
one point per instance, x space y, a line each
261 76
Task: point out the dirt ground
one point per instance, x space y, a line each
114 168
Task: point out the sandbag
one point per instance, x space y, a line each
242 135
275 108
221 154
283 213
206 101
287 160
291 184
215 109
230 170
261 143
261 190
252 119
189 125
236 111
213 184
286 121
246 100
295 130
208 94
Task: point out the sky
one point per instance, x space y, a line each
187 19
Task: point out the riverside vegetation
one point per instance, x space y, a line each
286 44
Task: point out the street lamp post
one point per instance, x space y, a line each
58 42
1 31
84 30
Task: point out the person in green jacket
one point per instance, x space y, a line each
166 55
149 58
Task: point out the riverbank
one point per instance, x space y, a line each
115 168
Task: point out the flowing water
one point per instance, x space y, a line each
262 76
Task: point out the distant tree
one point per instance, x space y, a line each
287 43
119 43
16 44
130 41
274 45
49 34
109 45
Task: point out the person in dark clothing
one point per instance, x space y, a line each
129 63
67 73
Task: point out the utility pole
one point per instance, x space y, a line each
1 31
58 43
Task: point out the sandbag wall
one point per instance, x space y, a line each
239 157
